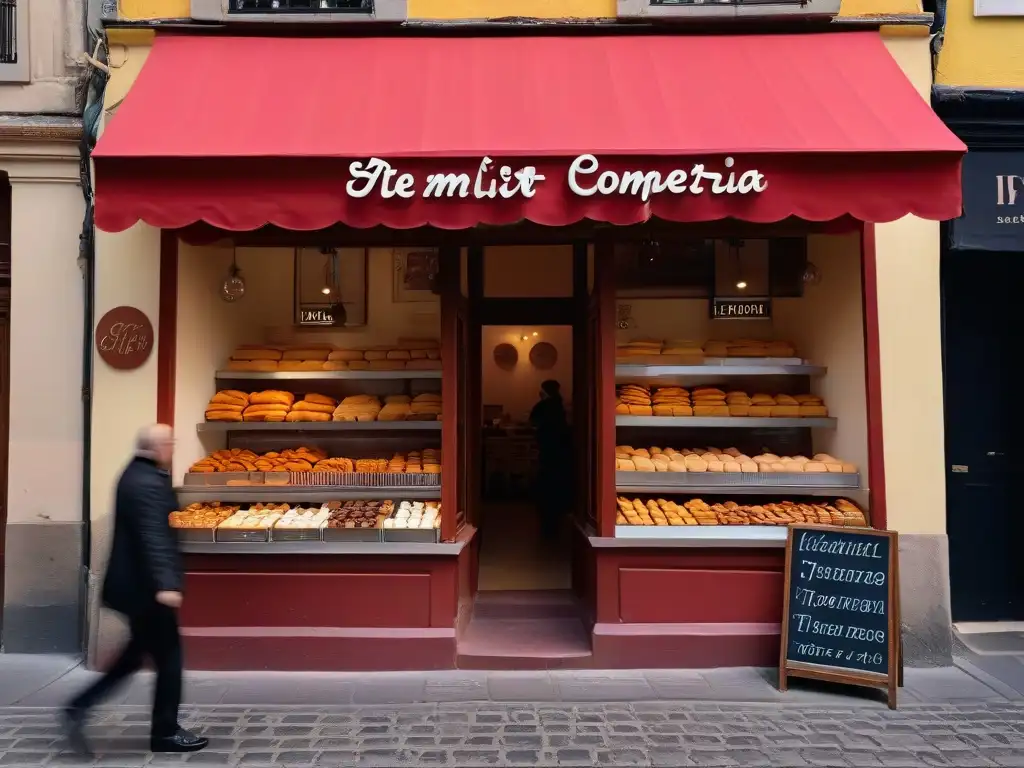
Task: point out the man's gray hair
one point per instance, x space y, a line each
148 438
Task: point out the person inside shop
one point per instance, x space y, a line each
144 584
551 428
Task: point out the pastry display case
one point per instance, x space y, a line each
728 428
317 446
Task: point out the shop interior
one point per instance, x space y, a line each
684 387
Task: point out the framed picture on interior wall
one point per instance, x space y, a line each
415 274
331 287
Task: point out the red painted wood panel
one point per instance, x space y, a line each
307 600
323 652
658 595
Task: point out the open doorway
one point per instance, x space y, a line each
527 468
528 333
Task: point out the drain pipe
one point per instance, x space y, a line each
95 89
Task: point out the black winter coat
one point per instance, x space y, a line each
144 557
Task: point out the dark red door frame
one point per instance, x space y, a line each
873 378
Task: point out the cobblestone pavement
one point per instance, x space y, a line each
656 734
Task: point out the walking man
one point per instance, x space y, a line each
144 583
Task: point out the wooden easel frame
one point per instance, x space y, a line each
891 681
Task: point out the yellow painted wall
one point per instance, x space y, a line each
141 10
985 52
497 9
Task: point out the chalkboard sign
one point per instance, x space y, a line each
841 617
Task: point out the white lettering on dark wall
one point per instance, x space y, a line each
1007 188
585 179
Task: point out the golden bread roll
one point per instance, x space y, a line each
762 399
268 408
256 353
300 365
313 397
358 365
263 366
815 466
785 400
731 466
308 416
813 411
231 397
345 355
625 465
399 354
336 365
716 466
376 354
304 406
642 464
786 411
272 397
710 410
220 415
226 407
761 411
739 410
808 399
307 353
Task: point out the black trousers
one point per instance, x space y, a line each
154 634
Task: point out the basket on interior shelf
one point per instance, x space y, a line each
367 479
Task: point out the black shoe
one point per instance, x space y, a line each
182 741
73 722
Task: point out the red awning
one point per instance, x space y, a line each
241 132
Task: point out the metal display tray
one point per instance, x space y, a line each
352 534
280 535
412 535
769 481
241 536
196 535
366 479
241 479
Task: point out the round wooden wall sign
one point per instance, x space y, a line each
506 356
543 356
125 338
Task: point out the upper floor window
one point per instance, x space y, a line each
8 32
299 6
14 57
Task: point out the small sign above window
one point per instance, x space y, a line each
330 286
300 6
741 309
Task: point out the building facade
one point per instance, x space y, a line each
897 410
979 93
42 87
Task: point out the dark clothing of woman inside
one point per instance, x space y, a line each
555 456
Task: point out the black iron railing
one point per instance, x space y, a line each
301 6
8 31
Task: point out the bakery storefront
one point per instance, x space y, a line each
357 296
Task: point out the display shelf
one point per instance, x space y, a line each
719 367
738 536
293 494
221 427
796 483
324 548
724 422
324 375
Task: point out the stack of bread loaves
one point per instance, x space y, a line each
630 459
227 405
269 405
749 348
358 408
425 407
313 407
709 401
634 400
300 459
671 401
406 354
